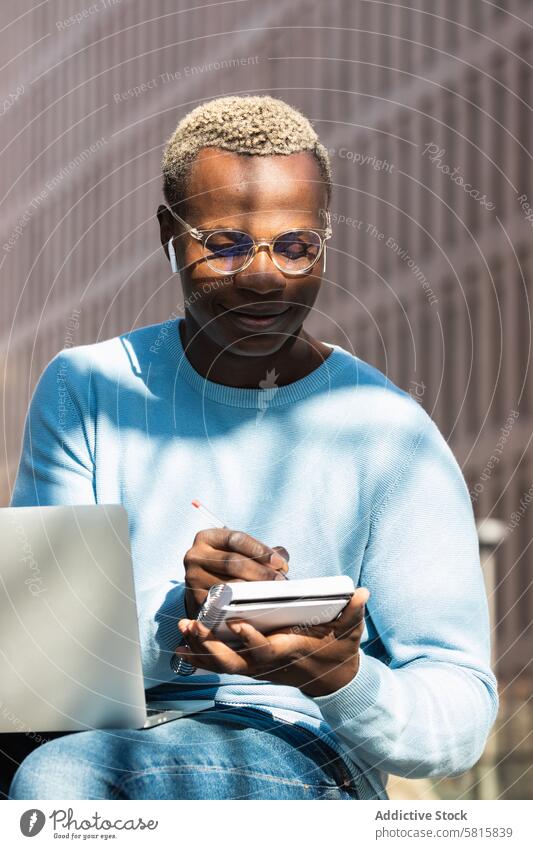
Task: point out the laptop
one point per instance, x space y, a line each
70 657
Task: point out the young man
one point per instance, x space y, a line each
292 441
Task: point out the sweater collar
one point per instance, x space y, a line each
274 396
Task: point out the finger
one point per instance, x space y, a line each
208 661
248 634
194 643
260 652
199 632
285 554
256 647
353 615
206 564
198 636
240 543
198 579
206 649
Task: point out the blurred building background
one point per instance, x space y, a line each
429 278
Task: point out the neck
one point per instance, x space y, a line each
297 357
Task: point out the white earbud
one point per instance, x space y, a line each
325 257
172 255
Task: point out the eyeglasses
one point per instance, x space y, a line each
228 251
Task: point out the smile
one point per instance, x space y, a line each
254 321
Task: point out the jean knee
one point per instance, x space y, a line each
53 772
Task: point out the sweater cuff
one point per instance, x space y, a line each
356 696
167 618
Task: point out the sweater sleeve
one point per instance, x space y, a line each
56 462
56 467
427 712
160 609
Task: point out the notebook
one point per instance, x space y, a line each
270 606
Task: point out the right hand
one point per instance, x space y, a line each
222 555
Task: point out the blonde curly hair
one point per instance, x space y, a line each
257 125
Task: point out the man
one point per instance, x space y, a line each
341 468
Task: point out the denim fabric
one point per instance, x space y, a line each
221 753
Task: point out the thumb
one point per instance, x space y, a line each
352 616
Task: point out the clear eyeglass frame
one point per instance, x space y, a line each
201 235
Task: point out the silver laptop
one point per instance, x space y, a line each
70 656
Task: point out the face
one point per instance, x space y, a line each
262 196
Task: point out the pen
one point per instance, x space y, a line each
215 521
179 665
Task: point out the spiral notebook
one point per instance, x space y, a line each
270 606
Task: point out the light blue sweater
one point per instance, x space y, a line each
341 467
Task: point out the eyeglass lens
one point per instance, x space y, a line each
228 250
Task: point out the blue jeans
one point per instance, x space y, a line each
221 753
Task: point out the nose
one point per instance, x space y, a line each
261 275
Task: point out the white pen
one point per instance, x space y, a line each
178 664
215 521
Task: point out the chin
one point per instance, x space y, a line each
247 342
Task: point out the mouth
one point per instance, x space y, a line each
254 321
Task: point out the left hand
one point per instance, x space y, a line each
318 660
